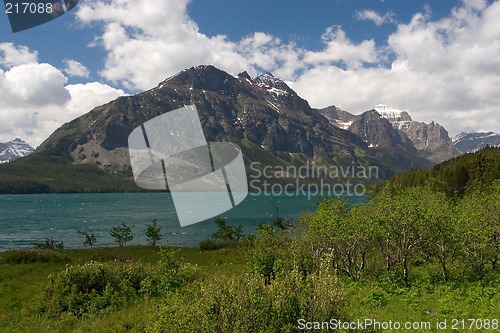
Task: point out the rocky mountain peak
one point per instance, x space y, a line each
14 149
273 85
431 140
377 131
205 77
395 116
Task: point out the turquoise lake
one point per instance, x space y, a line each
25 219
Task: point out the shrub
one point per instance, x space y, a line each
207 245
247 304
211 245
90 236
153 232
122 234
105 286
94 286
29 256
268 255
49 244
225 231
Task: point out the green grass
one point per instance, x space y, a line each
20 285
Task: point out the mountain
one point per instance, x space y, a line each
384 127
474 141
431 140
338 117
264 112
271 123
12 150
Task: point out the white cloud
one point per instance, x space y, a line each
35 100
75 68
371 15
144 49
12 55
340 49
446 70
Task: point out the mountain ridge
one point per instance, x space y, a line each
267 118
430 140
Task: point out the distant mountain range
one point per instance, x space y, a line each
270 122
383 126
12 150
473 141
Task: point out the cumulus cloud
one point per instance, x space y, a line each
340 49
75 68
371 15
144 49
445 70
12 55
35 100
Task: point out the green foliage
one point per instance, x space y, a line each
94 286
225 231
45 174
267 255
211 245
456 177
90 237
122 234
249 304
49 244
30 256
97 287
153 232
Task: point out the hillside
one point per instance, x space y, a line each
458 176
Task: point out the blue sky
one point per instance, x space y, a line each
436 59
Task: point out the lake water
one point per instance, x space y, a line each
25 219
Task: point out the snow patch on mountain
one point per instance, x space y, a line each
399 119
469 142
12 150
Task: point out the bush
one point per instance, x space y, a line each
95 287
90 237
247 304
153 232
269 253
29 256
211 245
225 231
122 234
49 244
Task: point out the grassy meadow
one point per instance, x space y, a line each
422 255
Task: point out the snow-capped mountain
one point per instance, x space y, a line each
398 118
431 140
473 141
12 150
